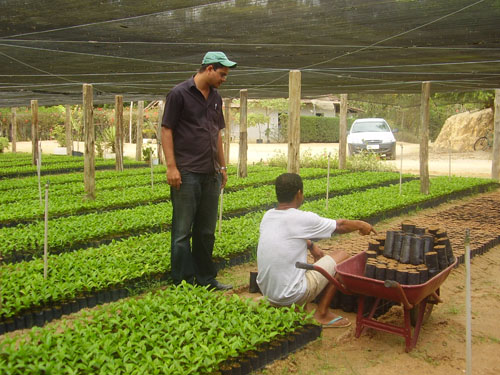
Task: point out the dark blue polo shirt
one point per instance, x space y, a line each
195 123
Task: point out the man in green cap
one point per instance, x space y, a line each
196 170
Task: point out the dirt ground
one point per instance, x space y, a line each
441 345
471 164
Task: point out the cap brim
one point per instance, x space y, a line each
229 63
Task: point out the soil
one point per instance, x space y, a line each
441 345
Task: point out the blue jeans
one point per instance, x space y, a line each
194 216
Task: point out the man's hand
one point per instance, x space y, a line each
174 177
366 229
224 179
315 251
347 226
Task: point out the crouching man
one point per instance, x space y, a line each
286 233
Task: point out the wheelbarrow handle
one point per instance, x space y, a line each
305 266
402 294
322 271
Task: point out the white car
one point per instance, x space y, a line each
372 135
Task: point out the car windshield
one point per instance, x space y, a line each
370 126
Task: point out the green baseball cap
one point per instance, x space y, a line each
218 57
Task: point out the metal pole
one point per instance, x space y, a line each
327 181
45 243
39 183
449 159
401 170
220 211
151 164
468 305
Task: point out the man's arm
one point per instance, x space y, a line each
347 226
222 161
173 174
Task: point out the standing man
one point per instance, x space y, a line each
196 170
286 233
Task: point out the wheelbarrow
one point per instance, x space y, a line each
417 300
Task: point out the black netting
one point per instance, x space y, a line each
140 49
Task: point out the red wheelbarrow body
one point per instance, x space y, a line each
416 299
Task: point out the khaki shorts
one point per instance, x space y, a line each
316 282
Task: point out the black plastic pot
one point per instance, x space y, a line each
82 302
57 312
66 308
274 351
253 288
2 328
39 319
10 325
115 295
92 300
48 315
75 306
123 293
28 320
20 322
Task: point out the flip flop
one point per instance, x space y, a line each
331 323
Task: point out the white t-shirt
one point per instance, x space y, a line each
282 242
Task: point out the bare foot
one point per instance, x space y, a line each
329 319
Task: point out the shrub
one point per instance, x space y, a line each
4 143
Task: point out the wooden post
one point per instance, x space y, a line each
14 129
138 138
161 107
343 132
69 130
294 90
495 164
242 160
424 137
130 123
227 130
34 131
119 133
88 126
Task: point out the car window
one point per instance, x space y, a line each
370 126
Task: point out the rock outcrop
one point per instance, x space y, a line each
463 129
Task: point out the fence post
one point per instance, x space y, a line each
242 160
294 91
138 138
343 132
34 131
88 125
424 138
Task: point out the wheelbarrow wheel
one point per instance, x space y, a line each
414 313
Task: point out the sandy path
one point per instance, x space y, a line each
471 164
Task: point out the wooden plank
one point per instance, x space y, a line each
35 134
343 132
294 90
424 138
69 130
119 133
227 130
243 150
89 148
13 121
138 138
495 164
